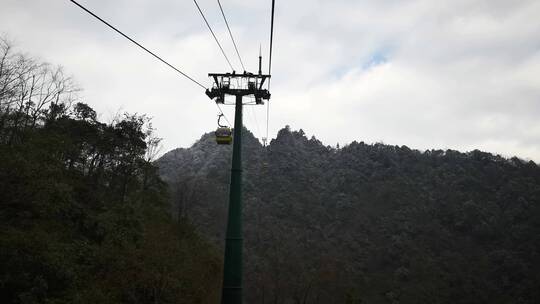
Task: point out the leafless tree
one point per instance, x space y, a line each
28 89
153 143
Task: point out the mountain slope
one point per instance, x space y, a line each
369 223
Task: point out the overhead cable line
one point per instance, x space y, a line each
148 51
138 44
215 38
271 40
230 34
270 64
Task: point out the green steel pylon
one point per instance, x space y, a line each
238 85
232 268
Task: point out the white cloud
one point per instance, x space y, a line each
428 74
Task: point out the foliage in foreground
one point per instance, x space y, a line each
83 213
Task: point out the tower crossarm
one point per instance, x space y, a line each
244 84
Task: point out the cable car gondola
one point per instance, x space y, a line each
223 133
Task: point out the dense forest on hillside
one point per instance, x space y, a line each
83 213
369 223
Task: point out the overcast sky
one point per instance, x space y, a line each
461 74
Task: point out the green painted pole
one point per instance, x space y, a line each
232 269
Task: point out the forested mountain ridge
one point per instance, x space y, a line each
369 223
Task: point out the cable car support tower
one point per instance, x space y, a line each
239 86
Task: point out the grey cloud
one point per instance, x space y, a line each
457 74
